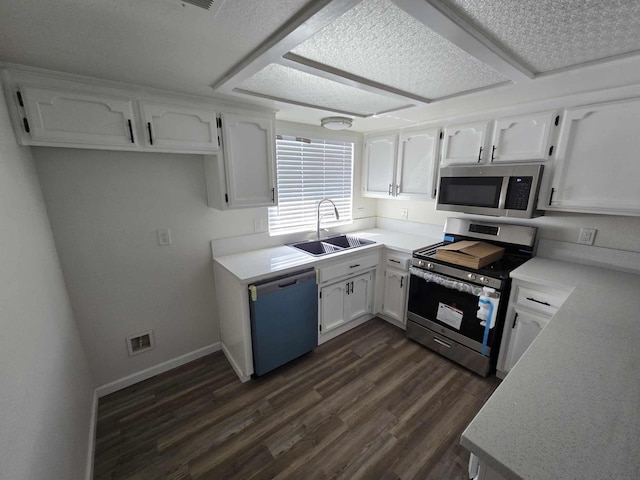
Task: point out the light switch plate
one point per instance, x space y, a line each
164 236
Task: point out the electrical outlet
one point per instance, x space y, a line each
587 235
360 212
164 236
404 213
259 225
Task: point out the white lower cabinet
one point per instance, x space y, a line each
395 288
531 306
525 327
394 302
346 300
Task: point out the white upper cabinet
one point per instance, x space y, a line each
379 166
523 139
179 127
401 165
466 144
416 170
596 167
68 118
249 160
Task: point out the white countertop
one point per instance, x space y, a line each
570 408
260 264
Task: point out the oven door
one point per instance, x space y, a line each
449 307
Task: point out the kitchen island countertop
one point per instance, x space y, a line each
570 408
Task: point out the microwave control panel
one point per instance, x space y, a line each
518 193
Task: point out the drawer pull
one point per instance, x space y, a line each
354 266
538 301
440 342
394 261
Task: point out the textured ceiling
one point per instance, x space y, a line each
378 41
161 43
549 34
166 44
287 83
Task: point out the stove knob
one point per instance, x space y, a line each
484 280
421 263
430 266
471 276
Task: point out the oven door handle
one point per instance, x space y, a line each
449 282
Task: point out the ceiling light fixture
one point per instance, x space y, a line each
336 123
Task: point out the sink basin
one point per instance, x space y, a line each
329 245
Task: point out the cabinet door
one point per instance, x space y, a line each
180 128
525 328
465 144
379 166
249 158
395 294
417 152
522 139
359 298
78 119
332 305
596 167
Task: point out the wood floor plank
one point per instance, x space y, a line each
369 404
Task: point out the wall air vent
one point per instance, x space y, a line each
140 342
206 4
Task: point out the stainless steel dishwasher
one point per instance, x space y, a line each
284 319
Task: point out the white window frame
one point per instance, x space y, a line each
328 219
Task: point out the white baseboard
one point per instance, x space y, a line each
344 328
156 369
92 436
236 368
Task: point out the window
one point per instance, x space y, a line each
308 170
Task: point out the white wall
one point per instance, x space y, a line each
613 231
105 208
46 390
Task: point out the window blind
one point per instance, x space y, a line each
307 171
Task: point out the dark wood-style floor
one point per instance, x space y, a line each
369 404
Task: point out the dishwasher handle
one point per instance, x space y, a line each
281 282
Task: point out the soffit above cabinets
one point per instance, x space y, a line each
371 57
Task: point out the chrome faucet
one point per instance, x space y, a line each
335 209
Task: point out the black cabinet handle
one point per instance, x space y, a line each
515 319
553 190
351 286
354 266
401 281
273 195
394 260
150 134
480 155
538 301
493 153
347 288
131 131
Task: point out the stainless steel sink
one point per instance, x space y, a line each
329 245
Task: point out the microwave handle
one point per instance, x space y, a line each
502 201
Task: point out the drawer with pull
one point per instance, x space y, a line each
348 266
543 302
397 260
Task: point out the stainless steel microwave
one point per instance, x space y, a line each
498 190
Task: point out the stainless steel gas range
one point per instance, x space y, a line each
458 311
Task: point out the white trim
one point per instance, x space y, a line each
236 368
156 370
92 436
344 328
437 16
